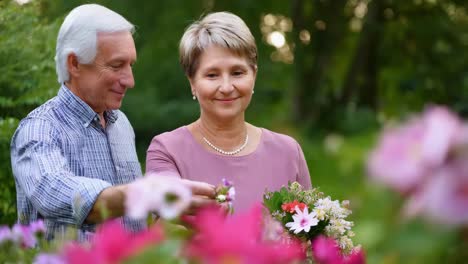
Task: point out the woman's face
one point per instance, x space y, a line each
223 83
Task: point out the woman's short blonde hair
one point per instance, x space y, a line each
221 28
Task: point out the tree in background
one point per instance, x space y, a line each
386 56
27 48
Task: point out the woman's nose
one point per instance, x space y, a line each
226 85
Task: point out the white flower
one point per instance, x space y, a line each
221 198
345 243
167 196
302 221
231 194
332 209
320 212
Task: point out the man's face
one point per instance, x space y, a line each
103 83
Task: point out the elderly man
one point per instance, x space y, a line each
73 156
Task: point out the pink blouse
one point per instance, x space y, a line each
277 160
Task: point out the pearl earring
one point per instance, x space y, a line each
194 97
253 91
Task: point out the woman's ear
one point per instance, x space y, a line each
191 82
255 70
194 93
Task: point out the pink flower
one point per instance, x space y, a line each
303 221
43 258
356 257
272 229
111 244
231 195
5 234
38 227
326 251
426 160
237 238
23 236
444 197
227 183
167 196
406 155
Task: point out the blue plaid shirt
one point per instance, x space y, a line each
62 159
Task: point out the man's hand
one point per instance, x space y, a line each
202 194
109 204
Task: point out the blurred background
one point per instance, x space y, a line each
331 74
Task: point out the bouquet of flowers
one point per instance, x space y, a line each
308 214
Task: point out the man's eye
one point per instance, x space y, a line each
115 66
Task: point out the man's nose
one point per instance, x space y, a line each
127 79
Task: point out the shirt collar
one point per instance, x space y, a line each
82 110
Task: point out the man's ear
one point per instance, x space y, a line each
73 65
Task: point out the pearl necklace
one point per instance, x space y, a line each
229 153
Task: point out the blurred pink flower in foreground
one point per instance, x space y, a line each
326 251
5 234
112 244
166 196
237 239
425 159
406 155
44 258
443 198
23 235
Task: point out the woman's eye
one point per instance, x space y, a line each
211 75
238 73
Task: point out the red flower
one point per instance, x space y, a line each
291 207
220 239
112 244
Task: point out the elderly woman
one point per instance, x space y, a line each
219 57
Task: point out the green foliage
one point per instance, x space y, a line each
163 253
10 253
28 79
7 184
27 48
420 56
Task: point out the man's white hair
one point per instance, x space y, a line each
78 34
